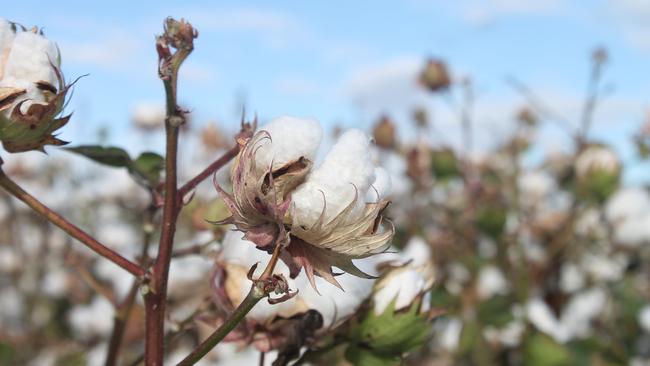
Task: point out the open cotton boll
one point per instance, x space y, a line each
534 186
31 58
491 282
402 285
381 187
333 304
291 138
417 251
237 257
644 318
346 166
6 39
148 115
93 319
626 203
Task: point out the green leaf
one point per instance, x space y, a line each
148 166
6 354
496 311
541 350
112 156
364 357
146 169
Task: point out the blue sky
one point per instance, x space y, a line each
345 62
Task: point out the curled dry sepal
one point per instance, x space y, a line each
321 216
32 89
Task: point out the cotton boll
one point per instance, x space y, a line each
237 257
491 282
333 304
581 310
627 203
634 231
448 331
534 186
31 59
6 39
291 138
348 166
417 251
93 319
644 318
401 285
572 278
55 282
148 115
603 268
542 317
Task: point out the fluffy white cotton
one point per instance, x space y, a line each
332 303
6 39
644 318
491 282
31 58
534 186
447 331
381 187
148 115
626 203
404 284
629 213
93 319
347 166
576 318
291 138
572 278
120 279
596 158
601 267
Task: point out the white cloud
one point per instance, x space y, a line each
480 12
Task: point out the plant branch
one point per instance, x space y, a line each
72 230
258 291
179 36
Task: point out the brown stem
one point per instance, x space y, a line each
178 35
207 172
255 294
72 230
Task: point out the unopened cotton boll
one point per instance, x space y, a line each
290 139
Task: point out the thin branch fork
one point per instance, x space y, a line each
15 190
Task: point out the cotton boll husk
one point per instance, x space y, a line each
31 59
291 138
237 257
491 281
93 319
347 166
